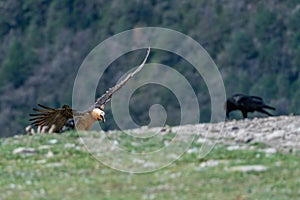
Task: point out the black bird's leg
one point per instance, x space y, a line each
244 114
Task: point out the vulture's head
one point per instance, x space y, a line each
99 114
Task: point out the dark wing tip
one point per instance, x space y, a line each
46 107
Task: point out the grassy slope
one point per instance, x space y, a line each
71 173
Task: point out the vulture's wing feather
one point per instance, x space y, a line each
108 94
49 116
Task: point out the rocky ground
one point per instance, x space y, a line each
281 133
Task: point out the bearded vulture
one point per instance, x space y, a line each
65 118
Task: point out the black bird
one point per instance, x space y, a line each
246 104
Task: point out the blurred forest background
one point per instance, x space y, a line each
255 44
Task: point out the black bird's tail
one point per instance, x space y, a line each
269 107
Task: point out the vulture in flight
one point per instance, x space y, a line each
246 104
65 118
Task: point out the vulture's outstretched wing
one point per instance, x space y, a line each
50 116
108 94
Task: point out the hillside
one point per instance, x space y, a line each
253 159
255 44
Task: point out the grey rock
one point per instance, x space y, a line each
247 168
24 150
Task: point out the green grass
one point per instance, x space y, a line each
72 173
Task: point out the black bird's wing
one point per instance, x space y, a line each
253 103
260 101
256 97
250 103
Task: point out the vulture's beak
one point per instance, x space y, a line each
102 118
